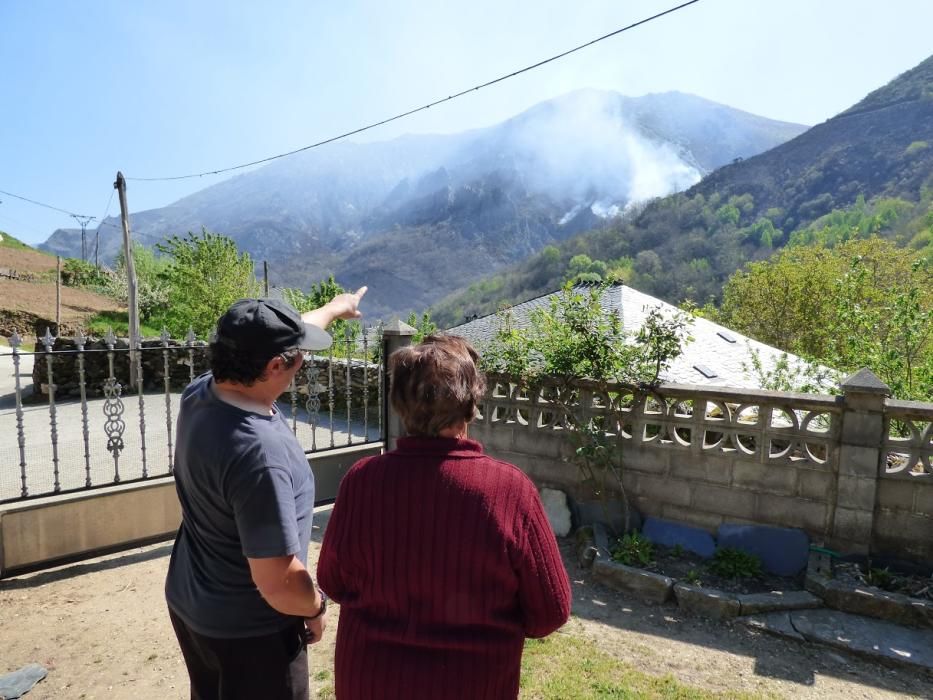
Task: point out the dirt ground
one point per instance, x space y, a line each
25 260
22 302
101 629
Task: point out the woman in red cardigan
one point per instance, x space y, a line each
441 557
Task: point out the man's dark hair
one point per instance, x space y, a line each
435 384
229 365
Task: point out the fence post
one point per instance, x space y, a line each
58 295
860 452
396 334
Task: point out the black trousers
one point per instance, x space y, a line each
270 667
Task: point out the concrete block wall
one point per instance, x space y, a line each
831 482
730 490
903 514
45 531
673 484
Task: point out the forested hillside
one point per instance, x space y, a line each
404 215
867 171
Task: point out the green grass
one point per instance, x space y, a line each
322 687
9 241
562 667
98 324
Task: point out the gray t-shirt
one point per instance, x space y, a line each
246 490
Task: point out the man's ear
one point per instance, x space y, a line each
275 365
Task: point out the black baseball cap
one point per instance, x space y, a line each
265 327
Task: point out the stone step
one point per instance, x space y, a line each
885 642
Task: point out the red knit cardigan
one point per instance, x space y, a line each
443 561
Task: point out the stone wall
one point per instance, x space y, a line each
703 455
178 357
64 360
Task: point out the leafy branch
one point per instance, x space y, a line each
578 337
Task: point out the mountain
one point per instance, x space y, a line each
869 168
420 216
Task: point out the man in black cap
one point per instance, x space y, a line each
241 600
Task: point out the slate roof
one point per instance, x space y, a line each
715 357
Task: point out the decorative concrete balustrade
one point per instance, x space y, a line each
853 471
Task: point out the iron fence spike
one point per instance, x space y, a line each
20 430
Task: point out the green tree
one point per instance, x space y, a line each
576 338
863 303
620 270
80 273
582 269
345 333
205 274
728 214
422 324
152 297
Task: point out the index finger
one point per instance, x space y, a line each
361 291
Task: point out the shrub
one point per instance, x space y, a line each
80 273
880 578
633 549
729 562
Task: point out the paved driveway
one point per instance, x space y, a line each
72 460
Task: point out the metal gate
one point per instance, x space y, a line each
78 414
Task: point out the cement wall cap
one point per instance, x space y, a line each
398 327
865 382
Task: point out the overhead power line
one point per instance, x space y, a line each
109 202
41 204
82 219
103 221
422 108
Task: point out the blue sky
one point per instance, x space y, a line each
173 87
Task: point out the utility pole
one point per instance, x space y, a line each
120 186
83 221
265 276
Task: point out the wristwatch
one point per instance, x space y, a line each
323 605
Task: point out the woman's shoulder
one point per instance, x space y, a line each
361 464
508 473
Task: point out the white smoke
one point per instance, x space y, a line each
570 215
605 210
582 147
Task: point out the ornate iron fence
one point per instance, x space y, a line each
78 413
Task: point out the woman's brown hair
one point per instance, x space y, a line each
435 384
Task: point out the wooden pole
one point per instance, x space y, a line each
58 294
120 186
265 276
